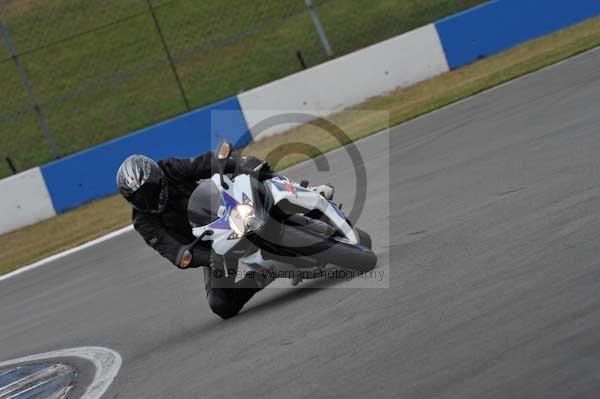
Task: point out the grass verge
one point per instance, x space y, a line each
99 69
96 219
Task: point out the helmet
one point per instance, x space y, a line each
142 183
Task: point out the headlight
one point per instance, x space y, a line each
243 219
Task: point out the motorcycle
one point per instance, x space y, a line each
263 220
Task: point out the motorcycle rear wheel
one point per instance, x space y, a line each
308 240
364 238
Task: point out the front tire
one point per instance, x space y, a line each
311 239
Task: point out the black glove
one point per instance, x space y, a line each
249 163
201 257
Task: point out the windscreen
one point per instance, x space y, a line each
204 204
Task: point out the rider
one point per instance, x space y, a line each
159 194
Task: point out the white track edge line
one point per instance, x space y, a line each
68 252
107 364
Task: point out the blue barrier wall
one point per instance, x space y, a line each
90 174
499 25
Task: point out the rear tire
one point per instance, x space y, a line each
311 239
349 256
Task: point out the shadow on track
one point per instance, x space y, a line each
224 327
288 295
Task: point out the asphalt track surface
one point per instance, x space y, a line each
493 249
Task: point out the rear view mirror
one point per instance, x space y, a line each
224 150
184 256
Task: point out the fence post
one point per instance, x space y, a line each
301 59
11 165
27 86
319 27
169 57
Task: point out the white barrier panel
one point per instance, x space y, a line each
346 81
24 200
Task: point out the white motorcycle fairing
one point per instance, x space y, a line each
285 189
239 191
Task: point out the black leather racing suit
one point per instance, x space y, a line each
168 231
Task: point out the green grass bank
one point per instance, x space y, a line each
99 69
